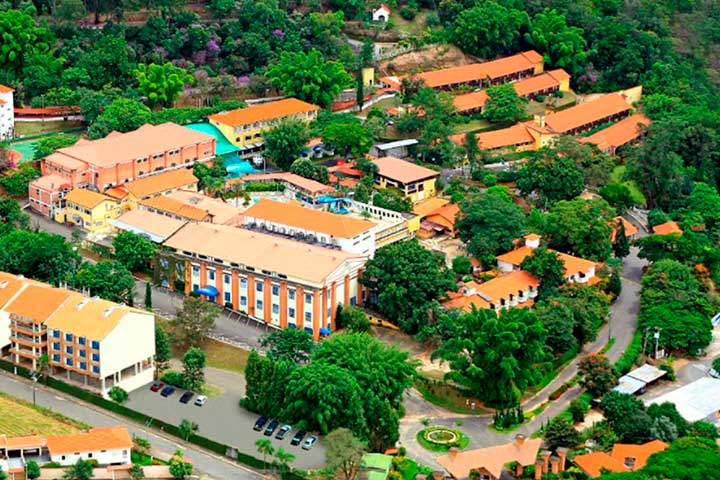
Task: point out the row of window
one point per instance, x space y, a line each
259 286
81 353
81 365
80 340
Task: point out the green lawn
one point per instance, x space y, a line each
18 418
474 125
25 129
618 175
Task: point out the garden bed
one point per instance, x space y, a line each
442 439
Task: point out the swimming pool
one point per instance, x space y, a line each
25 149
237 167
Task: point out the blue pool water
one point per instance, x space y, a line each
236 166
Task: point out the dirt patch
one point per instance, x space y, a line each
432 57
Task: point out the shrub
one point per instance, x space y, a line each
228 305
408 12
118 395
432 20
631 354
265 187
173 377
578 408
559 94
539 98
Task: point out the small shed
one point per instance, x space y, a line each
375 466
699 400
639 379
381 14
397 149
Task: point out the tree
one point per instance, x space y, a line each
21 35
406 278
284 143
562 46
265 448
211 179
162 349
118 395
560 432
32 470
616 406
307 169
136 472
39 255
488 29
621 246
598 376
194 321
489 222
352 138
161 84
495 357
148 297
11 217
353 318
122 115
461 265
193 365
581 227
133 250
70 10
289 344
504 104
309 77
80 470
686 459
187 428
344 453
716 364
266 383
16 182
108 280
179 468
391 199
618 195
547 267
283 459
551 178
323 397
559 324
44 366
49 145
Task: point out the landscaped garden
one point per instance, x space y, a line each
441 439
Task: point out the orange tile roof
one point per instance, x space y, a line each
175 207
105 438
629 228
263 111
93 318
28 441
492 458
341 226
66 162
2 102
118 193
470 101
403 171
504 285
9 286
640 453
617 135
161 182
296 180
466 303
51 183
667 228
593 464
5 89
346 169
348 182
261 251
479 71
38 302
125 147
513 136
86 198
586 113
538 83
220 212
573 265
445 216
429 205
154 223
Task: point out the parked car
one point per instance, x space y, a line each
156 386
200 400
167 391
715 320
260 423
271 427
297 438
309 442
185 398
283 432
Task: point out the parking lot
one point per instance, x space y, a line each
222 420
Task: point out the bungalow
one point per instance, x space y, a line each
381 14
514 289
411 180
622 458
667 228
163 183
625 131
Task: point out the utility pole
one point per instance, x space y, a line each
657 341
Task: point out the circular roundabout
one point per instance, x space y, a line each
442 438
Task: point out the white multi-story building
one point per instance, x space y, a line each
7 113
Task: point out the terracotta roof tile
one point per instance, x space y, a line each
445 216
263 111
629 228
175 207
640 453
538 83
617 135
429 205
340 226
161 182
51 183
106 438
38 302
667 228
219 211
516 135
573 265
5 89
28 441
86 198
586 113
10 285
296 180
93 318
470 101
593 463
403 171
492 459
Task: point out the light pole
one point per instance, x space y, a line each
34 377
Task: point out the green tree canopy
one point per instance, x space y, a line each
133 251
122 115
560 432
598 375
194 321
11 217
284 143
20 35
562 46
349 138
551 178
581 227
108 280
194 362
344 453
488 29
39 255
547 267
161 84
289 344
48 145
504 104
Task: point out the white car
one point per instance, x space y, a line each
715 320
309 442
201 400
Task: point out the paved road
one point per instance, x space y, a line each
209 463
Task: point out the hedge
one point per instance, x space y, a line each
631 354
139 417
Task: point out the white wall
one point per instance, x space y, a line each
4 329
130 342
7 115
103 458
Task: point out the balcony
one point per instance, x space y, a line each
24 352
25 329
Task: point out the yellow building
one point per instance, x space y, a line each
368 76
89 210
244 127
411 180
129 194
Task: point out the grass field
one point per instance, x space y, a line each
220 355
618 175
25 129
19 418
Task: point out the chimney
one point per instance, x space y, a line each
562 453
519 439
438 475
532 240
453 452
545 454
538 469
555 465
630 463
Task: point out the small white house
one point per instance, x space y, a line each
7 113
106 445
381 14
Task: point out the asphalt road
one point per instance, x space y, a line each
212 465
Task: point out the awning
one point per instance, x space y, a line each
325 331
208 290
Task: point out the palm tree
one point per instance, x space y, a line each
283 458
264 446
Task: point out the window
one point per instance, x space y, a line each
291 294
196 269
95 357
95 344
82 353
96 369
226 295
226 278
259 305
308 316
211 274
69 362
69 350
275 290
259 287
83 366
308 298
275 308
243 301
68 337
56 346
56 357
291 312
164 263
89 454
243 282
56 333
81 340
